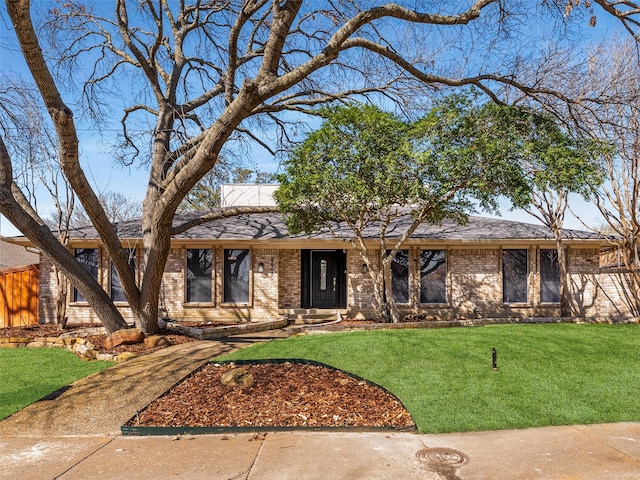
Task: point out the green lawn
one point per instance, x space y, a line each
28 374
551 374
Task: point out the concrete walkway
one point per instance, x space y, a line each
77 436
100 403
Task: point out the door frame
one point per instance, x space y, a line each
306 294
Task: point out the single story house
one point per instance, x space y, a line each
249 268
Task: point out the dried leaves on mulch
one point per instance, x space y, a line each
284 394
32 331
137 348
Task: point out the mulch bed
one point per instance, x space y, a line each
284 395
31 331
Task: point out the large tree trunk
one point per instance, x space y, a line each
391 308
62 287
565 285
380 304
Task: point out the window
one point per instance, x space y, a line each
117 293
433 276
89 259
400 276
199 268
549 276
514 276
236 276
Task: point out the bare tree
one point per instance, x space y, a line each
209 76
205 195
117 206
27 127
618 122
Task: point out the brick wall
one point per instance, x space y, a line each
47 304
172 290
474 288
266 285
263 293
600 294
360 290
474 281
614 296
289 279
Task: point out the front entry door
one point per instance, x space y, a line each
324 279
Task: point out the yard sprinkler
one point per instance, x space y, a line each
494 355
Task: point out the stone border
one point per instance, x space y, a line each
212 332
83 348
476 322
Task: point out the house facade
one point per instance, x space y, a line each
248 269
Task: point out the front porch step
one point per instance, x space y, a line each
212 332
314 316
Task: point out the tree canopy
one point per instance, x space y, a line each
366 168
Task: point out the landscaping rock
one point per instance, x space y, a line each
106 357
124 356
157 341
126 336
85 352
237 377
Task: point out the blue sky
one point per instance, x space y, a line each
106 175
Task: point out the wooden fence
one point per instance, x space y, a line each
19 288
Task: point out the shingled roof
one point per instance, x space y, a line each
271 226
15 255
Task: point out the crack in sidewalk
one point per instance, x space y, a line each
598 439
111 439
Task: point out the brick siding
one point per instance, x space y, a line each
474 288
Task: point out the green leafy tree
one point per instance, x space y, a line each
367 168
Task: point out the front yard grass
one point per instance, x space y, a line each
28 374
549 374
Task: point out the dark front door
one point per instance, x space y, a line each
324 279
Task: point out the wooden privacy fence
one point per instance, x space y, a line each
19 288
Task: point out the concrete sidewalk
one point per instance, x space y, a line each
610 451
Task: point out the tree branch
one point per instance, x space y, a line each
219 214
